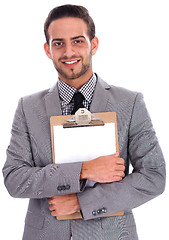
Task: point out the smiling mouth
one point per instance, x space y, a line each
70 63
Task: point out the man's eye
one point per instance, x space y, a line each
58 44
78 41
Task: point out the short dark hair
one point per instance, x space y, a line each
69 10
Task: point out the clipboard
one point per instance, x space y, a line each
83 122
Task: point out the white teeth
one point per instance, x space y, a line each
71 62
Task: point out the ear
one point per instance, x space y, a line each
95 45
47 50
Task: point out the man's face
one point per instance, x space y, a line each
70 48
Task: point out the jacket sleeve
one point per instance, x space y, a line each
145 182
25 180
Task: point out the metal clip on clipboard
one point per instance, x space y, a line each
83 118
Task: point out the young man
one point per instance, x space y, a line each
60 189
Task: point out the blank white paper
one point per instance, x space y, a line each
83 143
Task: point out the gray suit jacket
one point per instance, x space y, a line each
29 172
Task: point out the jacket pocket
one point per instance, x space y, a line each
34 221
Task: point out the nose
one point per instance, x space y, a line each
69 51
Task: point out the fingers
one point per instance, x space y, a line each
117 179
54 214
56 199
119 174
51 204
119 167
118 159
50 201
51 207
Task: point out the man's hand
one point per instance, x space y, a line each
104 169
64 205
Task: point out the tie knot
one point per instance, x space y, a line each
78 98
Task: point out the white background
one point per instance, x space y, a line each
133 53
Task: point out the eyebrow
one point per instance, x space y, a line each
81 36
73 38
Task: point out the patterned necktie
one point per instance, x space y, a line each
78 101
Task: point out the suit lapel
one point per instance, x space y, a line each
52 107
52 102
100 97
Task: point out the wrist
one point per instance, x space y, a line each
84 171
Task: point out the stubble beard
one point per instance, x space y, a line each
73 75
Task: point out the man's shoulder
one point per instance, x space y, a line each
38 97
122 93
117 92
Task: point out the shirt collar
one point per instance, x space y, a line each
66 92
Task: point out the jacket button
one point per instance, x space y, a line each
59 188
67 187
104 210
94 213
63 187
99 211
